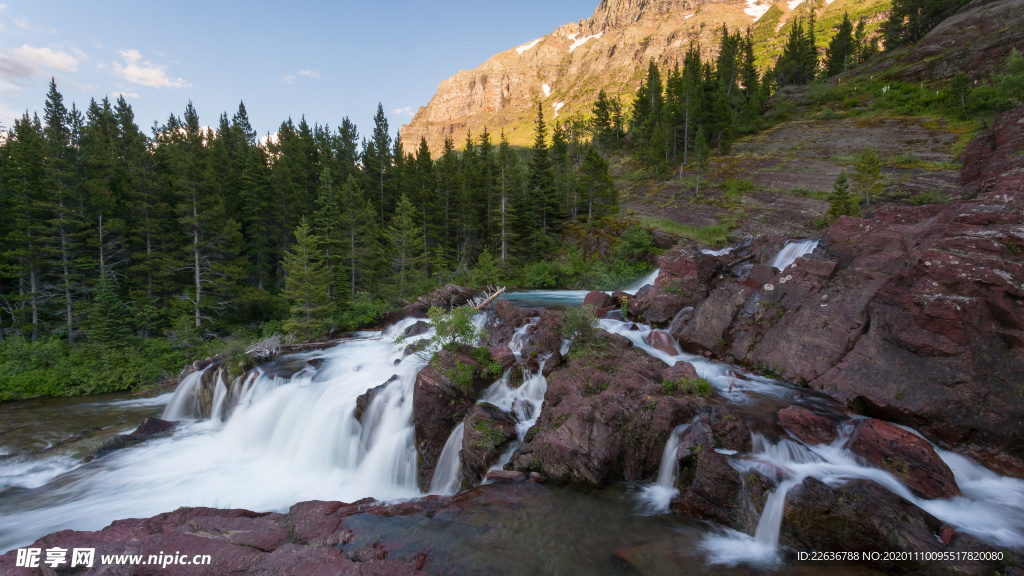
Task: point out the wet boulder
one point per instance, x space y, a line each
417 329
150 428
807 426
606 417
711 489
487 432
444 392
907 456
861 515
598 300
506 476
663 341
366 398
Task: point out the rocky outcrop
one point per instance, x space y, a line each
565 70
976 40
913 315
606 418
861 515
684 281
809 427
150 428
709 487
907 456
488 431
312 538
444 392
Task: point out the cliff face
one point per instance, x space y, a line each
566 69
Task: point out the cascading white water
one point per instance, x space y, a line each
791 251
722 376
448 473
648 279
220 398
654 499
991 508
721 252
185 402
287 440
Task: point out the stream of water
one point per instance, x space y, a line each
286 439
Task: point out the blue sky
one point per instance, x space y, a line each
326 60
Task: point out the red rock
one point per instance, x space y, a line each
907 456
807 426
947 534
598 299
487 432
662 340
861 515
504 355
605 419
506 475
686 263
679 371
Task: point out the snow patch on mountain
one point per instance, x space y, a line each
580 42
757 10
546 89
526 47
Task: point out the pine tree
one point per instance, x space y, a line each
306 285
66 220
841 53
597 185
106 315
406 250
840 201
539 205
867 178
29 232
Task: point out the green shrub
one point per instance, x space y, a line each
452 330
543 274
690 386
580 326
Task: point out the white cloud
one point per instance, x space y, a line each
288 78
23 24
408 111
138 71
132 95
3 7
47 58
310 74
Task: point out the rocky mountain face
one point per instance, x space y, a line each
566 69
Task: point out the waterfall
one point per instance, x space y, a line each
648 279
655 498
448 474
185 402
791 251
220 397
768 527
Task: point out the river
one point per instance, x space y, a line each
291 436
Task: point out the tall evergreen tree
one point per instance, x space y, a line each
840 54
539 206
406 250
306 285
